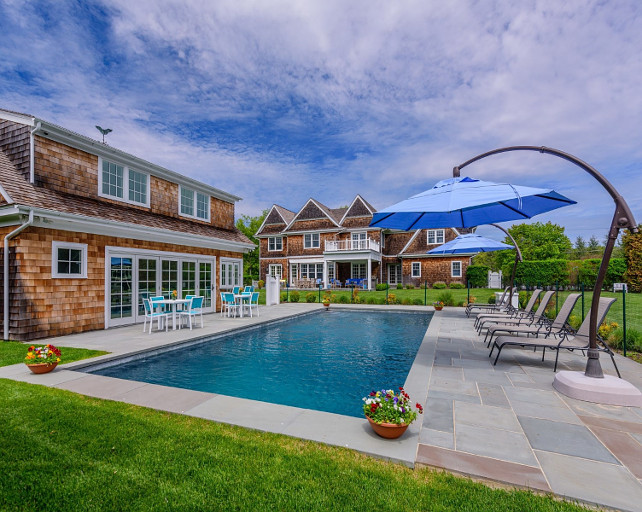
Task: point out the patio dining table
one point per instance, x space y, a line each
172 303
240 299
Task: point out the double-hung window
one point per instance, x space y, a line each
455 268
194 204
123 183
231 273
275 243
435 236
416 269
68 260
311 241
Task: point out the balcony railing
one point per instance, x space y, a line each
351 245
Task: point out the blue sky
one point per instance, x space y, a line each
278 101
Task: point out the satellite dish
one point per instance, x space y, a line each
104 131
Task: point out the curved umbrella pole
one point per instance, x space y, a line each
622 218
518 258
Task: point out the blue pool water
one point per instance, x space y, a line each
326 361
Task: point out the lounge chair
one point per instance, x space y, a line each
577 341
517 313
500 305
526 319
558 327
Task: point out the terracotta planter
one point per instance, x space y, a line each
42 367
388 430
326 305
438 308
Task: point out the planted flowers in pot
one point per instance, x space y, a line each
439 305
42 359
390 413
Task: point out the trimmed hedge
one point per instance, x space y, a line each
633 252
540 273
477 276
587 271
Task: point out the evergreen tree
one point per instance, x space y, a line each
580 250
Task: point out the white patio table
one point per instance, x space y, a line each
172 303
239 299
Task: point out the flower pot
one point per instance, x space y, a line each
438 308
326 305
42 367
388 430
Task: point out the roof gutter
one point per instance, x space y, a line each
5 284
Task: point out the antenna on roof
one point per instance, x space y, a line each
104 131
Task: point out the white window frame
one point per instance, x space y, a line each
223 269
358 266
436 236
412 269
125 198
312 237
275 266
272 242
195 194
55 245
452 268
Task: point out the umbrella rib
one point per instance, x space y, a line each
382 219
550 198
415 222
515 210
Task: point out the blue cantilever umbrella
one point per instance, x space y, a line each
469 244
468 202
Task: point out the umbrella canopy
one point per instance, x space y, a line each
470 243
467 202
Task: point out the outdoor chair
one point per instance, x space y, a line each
500 305
513 313
248 289
230 304
236 290
577 341
151 314
558 327
253 302
194 308
527 318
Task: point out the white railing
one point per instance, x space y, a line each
351 245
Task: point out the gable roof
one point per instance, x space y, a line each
358 208
276 216
78 209
311 204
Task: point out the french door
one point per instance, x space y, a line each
394 273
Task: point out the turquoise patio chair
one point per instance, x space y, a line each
230 304
253 302
194 308
248 289
236 290
150 314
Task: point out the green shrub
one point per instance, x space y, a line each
410 287
311 297
461 304
406 302
540 273
439 285
399 286
447 298
632 243
418 302
371 300
633 339
294 296
574 321
381 287
381 300
456 286
261 283
284 297
588 269
524 297
477 276
491 299
343 299
392 299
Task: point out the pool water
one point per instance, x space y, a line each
325 361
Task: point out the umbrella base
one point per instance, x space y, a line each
608 390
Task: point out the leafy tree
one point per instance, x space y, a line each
580 250
538 242
632 243
249 226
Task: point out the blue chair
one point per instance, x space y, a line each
253 302
151 314
248 289
230 304
236 290
195 307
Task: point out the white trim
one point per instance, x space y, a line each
274 206
352 204
412 239
312 246
303 232
319 207
55 245
443 230
6 195
275 249
275 265
125 198
461 268
412 268
69 222
195 200
227 260
309 259
16 117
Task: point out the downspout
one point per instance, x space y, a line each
32 149
6 272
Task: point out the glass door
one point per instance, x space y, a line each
121 290
169 277
394 273
188 278
359 241
205 285
147 283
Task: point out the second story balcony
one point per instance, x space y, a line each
352 245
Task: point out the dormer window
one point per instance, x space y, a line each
194 204
123 183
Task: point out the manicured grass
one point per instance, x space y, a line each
61 451
14 352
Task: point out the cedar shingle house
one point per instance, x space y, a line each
321 244
88 230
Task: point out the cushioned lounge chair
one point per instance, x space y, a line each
558 327
577 341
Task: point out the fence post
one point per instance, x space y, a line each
582 302
468 291
624 320
287 292
320 291
387 288
425 293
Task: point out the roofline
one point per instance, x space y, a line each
316 203
412 239
52 219
6 195
266 217
59 134
363 201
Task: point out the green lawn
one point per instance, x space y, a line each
13 352
62 451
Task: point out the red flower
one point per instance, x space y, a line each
372 393
400 388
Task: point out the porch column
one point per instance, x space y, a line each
369 272
325 273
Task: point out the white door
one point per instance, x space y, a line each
121 290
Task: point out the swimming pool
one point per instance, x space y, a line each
325 361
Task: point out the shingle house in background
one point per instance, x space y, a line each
88 230
326 245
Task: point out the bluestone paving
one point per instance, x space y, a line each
469 402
